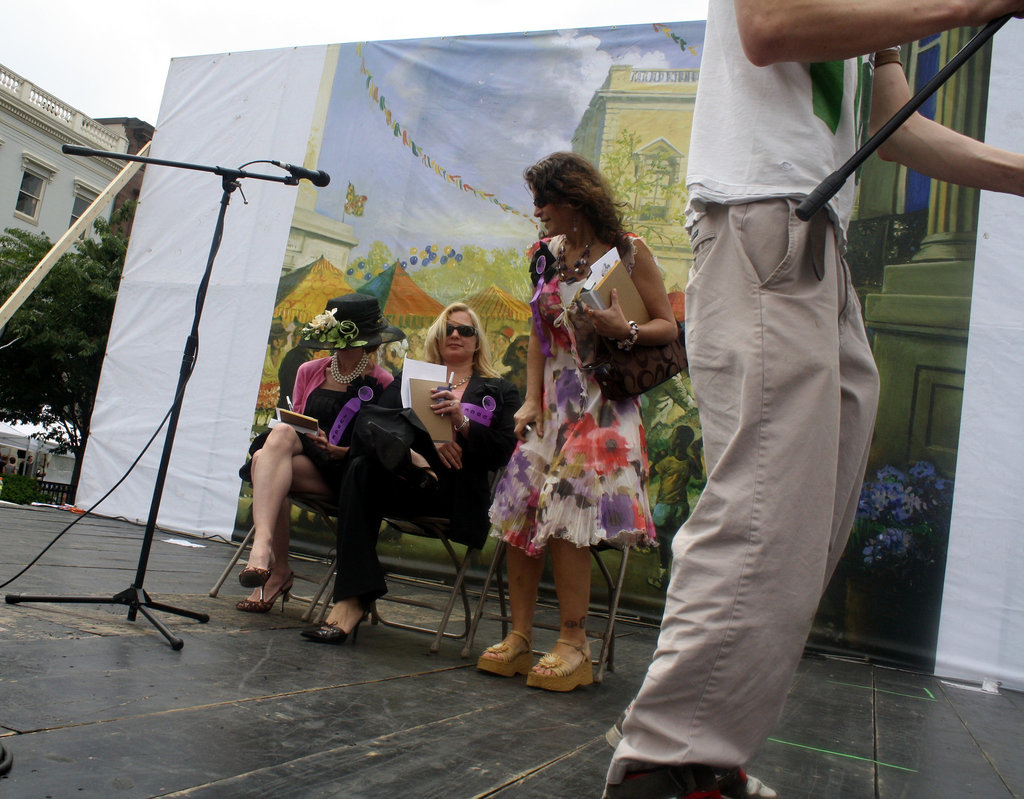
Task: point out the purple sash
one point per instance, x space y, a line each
348 413
481 414
545 347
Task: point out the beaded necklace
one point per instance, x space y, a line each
346 379
566 272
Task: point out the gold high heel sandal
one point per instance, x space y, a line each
507 664
263 605
564 677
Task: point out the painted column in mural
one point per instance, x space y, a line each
920 316
912 255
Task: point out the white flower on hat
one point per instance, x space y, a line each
326 329
322 322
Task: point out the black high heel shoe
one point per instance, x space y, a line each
396 456
333 634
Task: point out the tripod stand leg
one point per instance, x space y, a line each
202 618
14 599
137 600
176 643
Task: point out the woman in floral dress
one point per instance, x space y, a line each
579 475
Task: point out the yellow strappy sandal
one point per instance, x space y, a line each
508 663
565 678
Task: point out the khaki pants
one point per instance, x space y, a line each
787 390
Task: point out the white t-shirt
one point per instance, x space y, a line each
775 131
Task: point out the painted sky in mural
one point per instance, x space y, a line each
458 103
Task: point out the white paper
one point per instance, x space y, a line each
423 370
600 268
183 543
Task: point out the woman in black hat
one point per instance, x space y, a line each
332 390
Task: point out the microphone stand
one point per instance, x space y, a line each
135 596
825 190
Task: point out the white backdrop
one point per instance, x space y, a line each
216 110
981 632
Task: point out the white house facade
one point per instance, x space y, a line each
42 190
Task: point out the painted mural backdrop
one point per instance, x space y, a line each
426 142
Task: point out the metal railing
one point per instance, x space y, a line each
59 493
58 113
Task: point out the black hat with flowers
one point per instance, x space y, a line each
352 320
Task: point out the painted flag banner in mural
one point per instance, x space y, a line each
436 134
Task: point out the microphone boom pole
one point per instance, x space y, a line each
834 182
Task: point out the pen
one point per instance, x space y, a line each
289 401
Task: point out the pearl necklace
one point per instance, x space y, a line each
345 379
577 269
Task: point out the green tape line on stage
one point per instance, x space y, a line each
842 754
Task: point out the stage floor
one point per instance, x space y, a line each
94 705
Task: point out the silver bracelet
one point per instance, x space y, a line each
464 425
627 343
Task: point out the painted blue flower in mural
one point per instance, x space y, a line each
902 522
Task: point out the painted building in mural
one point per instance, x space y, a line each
637 129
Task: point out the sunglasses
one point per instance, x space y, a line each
466 331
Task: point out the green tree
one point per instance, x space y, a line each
378 258
52 349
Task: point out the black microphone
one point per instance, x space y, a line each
315 176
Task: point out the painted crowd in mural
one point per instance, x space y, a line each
426 141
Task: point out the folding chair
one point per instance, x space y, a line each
426 526
437 528
605 660
430 527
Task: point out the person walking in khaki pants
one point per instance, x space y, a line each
780 365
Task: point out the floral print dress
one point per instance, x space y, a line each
586 479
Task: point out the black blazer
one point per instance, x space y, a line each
485 450
466 492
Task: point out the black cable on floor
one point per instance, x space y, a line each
6 760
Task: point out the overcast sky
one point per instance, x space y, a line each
111 59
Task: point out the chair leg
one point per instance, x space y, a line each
231 563
458 588
496 560
321 589
605 659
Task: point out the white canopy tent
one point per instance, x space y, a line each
22 436
27 437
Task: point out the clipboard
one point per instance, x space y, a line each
301 422
439 427
598 294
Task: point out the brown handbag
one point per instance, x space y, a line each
622 374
